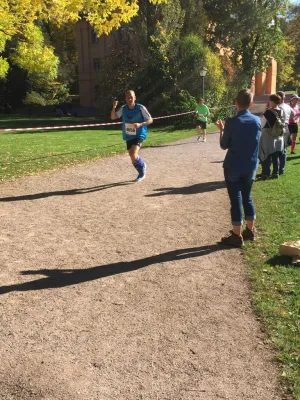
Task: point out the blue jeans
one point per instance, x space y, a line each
282 161
272 159
239 187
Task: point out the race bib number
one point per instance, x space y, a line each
130 130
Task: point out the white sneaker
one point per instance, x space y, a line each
204 139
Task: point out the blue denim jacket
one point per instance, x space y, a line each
241 138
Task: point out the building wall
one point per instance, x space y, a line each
91 51
265 82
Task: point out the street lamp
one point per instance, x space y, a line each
203 72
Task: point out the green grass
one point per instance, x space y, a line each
31 152
275 280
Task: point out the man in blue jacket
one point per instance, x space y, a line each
240 137
135 118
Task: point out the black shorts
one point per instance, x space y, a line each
202 124
293 128
136 142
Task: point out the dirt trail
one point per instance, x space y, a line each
112 290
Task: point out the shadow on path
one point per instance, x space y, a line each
57 278
165 145
65 192
194 189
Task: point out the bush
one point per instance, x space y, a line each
177 103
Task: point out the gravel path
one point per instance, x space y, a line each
112 290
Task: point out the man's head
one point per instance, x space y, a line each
243 99
275 100
130 98
281 95
201 102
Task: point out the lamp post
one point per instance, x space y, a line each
203 72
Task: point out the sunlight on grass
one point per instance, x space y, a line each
31 152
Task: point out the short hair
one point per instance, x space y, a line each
130 90
244 98
281 94
201 99
275 98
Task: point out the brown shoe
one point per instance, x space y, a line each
233 240
248 234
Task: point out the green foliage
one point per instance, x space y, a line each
177 102
54 94
250 29
289 67
117 75
193 55
285 71
195 18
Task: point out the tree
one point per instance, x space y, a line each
289 68
195 19
248 28
21 36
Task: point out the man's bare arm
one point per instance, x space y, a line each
113 114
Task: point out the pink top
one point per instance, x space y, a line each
295 119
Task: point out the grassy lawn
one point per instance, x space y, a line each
276 282
30 152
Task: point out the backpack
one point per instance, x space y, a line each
278 129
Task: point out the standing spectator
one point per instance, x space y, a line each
240 136
288 113
135 119
271 147
202 114
293 122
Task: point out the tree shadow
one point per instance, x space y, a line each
194 189
70 192
57 278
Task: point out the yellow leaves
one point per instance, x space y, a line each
3 67
18 18
33 56
107 15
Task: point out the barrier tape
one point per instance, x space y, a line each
88 125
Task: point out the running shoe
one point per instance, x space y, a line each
142 174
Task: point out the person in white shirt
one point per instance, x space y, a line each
288 113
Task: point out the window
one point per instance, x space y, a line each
94 37
96 63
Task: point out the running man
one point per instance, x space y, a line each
202 114
135 118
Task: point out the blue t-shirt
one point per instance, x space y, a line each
241 138
130 116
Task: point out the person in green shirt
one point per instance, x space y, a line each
201 124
